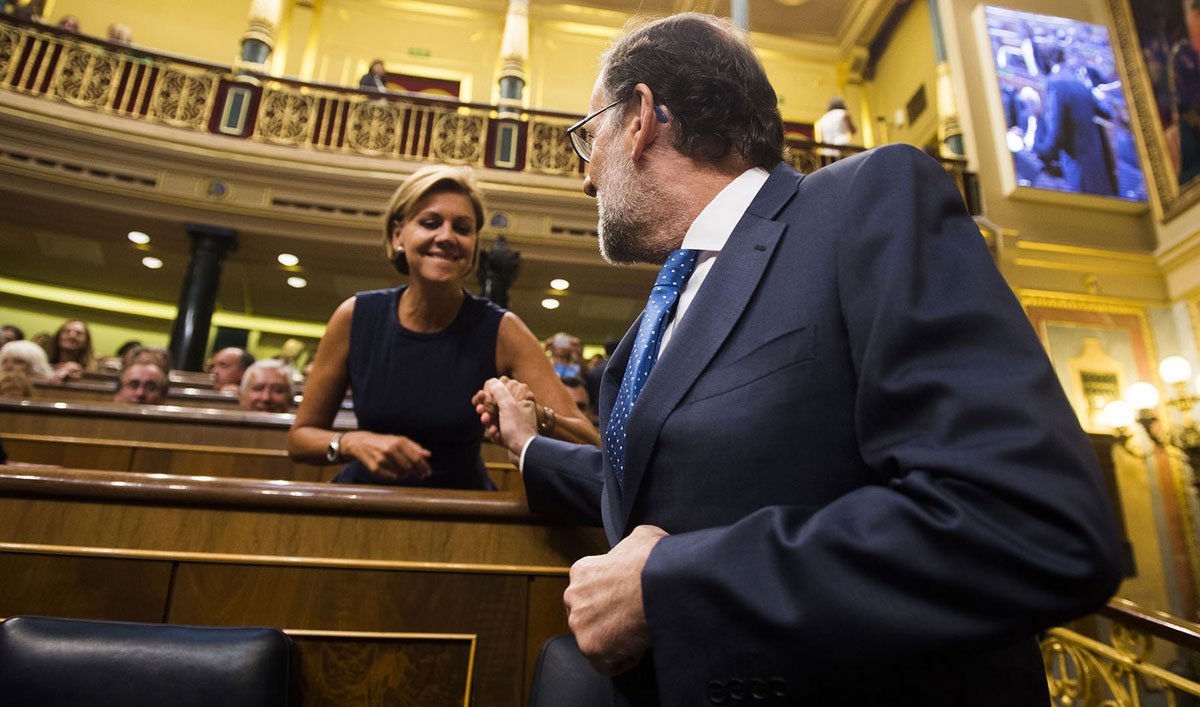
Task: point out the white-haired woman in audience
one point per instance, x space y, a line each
415 355
25 357
70 351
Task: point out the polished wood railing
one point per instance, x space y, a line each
166 89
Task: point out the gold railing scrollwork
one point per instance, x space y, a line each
183 99
285 117
549 149
1084 672
458 139
373 127
135 83
85 76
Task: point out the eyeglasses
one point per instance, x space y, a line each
581 139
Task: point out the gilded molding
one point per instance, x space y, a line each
277 560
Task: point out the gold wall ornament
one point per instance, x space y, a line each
285 117
458 139
373 127
85 76
548 149
182 99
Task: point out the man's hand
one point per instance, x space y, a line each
508 412
604 603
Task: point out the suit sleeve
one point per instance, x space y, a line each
990 521
564 480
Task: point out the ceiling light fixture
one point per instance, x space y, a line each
297 282
550 303
139 237
288 260
152 262
559 284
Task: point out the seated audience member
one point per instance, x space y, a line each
157 355
70 351
10 332
125 348
578 390
565 354
266 387
416 354
120 34
25 357
14 384
143 383
228 367
373 80
70 23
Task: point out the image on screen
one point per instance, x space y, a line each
1067 122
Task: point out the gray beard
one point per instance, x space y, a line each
626 214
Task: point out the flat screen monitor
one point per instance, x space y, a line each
1066 122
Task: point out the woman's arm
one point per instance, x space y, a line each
519 355
388 456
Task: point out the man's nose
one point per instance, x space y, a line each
587 185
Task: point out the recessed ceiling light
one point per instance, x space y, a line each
152 262
288 260
139 237
297 282
559 284
550 303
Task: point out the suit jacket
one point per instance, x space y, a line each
1069 127
875 487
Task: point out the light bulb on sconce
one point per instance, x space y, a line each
1179 436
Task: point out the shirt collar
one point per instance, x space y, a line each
716 222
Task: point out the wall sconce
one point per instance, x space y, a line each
1144 398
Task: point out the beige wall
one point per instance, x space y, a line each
907 64
209 30
109 329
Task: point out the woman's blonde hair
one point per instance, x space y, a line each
30 353
428 180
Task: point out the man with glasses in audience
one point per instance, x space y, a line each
144 383
837 467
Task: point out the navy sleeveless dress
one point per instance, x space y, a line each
420 385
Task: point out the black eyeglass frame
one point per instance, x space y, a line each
583 147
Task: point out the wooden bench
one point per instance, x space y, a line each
173 440
432 597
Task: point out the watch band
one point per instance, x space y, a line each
334 452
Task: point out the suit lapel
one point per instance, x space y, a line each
712 315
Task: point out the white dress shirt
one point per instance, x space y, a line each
707 234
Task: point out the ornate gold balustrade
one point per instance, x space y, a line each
1125 672
161 88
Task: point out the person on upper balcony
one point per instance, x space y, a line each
414 355
375 78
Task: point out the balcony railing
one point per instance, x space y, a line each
165 89
1084 672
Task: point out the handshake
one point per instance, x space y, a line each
509 413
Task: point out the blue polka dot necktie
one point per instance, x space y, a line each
675 272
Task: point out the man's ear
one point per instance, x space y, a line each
647 119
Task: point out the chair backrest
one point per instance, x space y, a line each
52 662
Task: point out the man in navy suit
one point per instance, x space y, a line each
851 477
1071 138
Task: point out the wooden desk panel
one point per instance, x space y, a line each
305 557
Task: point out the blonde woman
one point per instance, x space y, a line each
416 354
